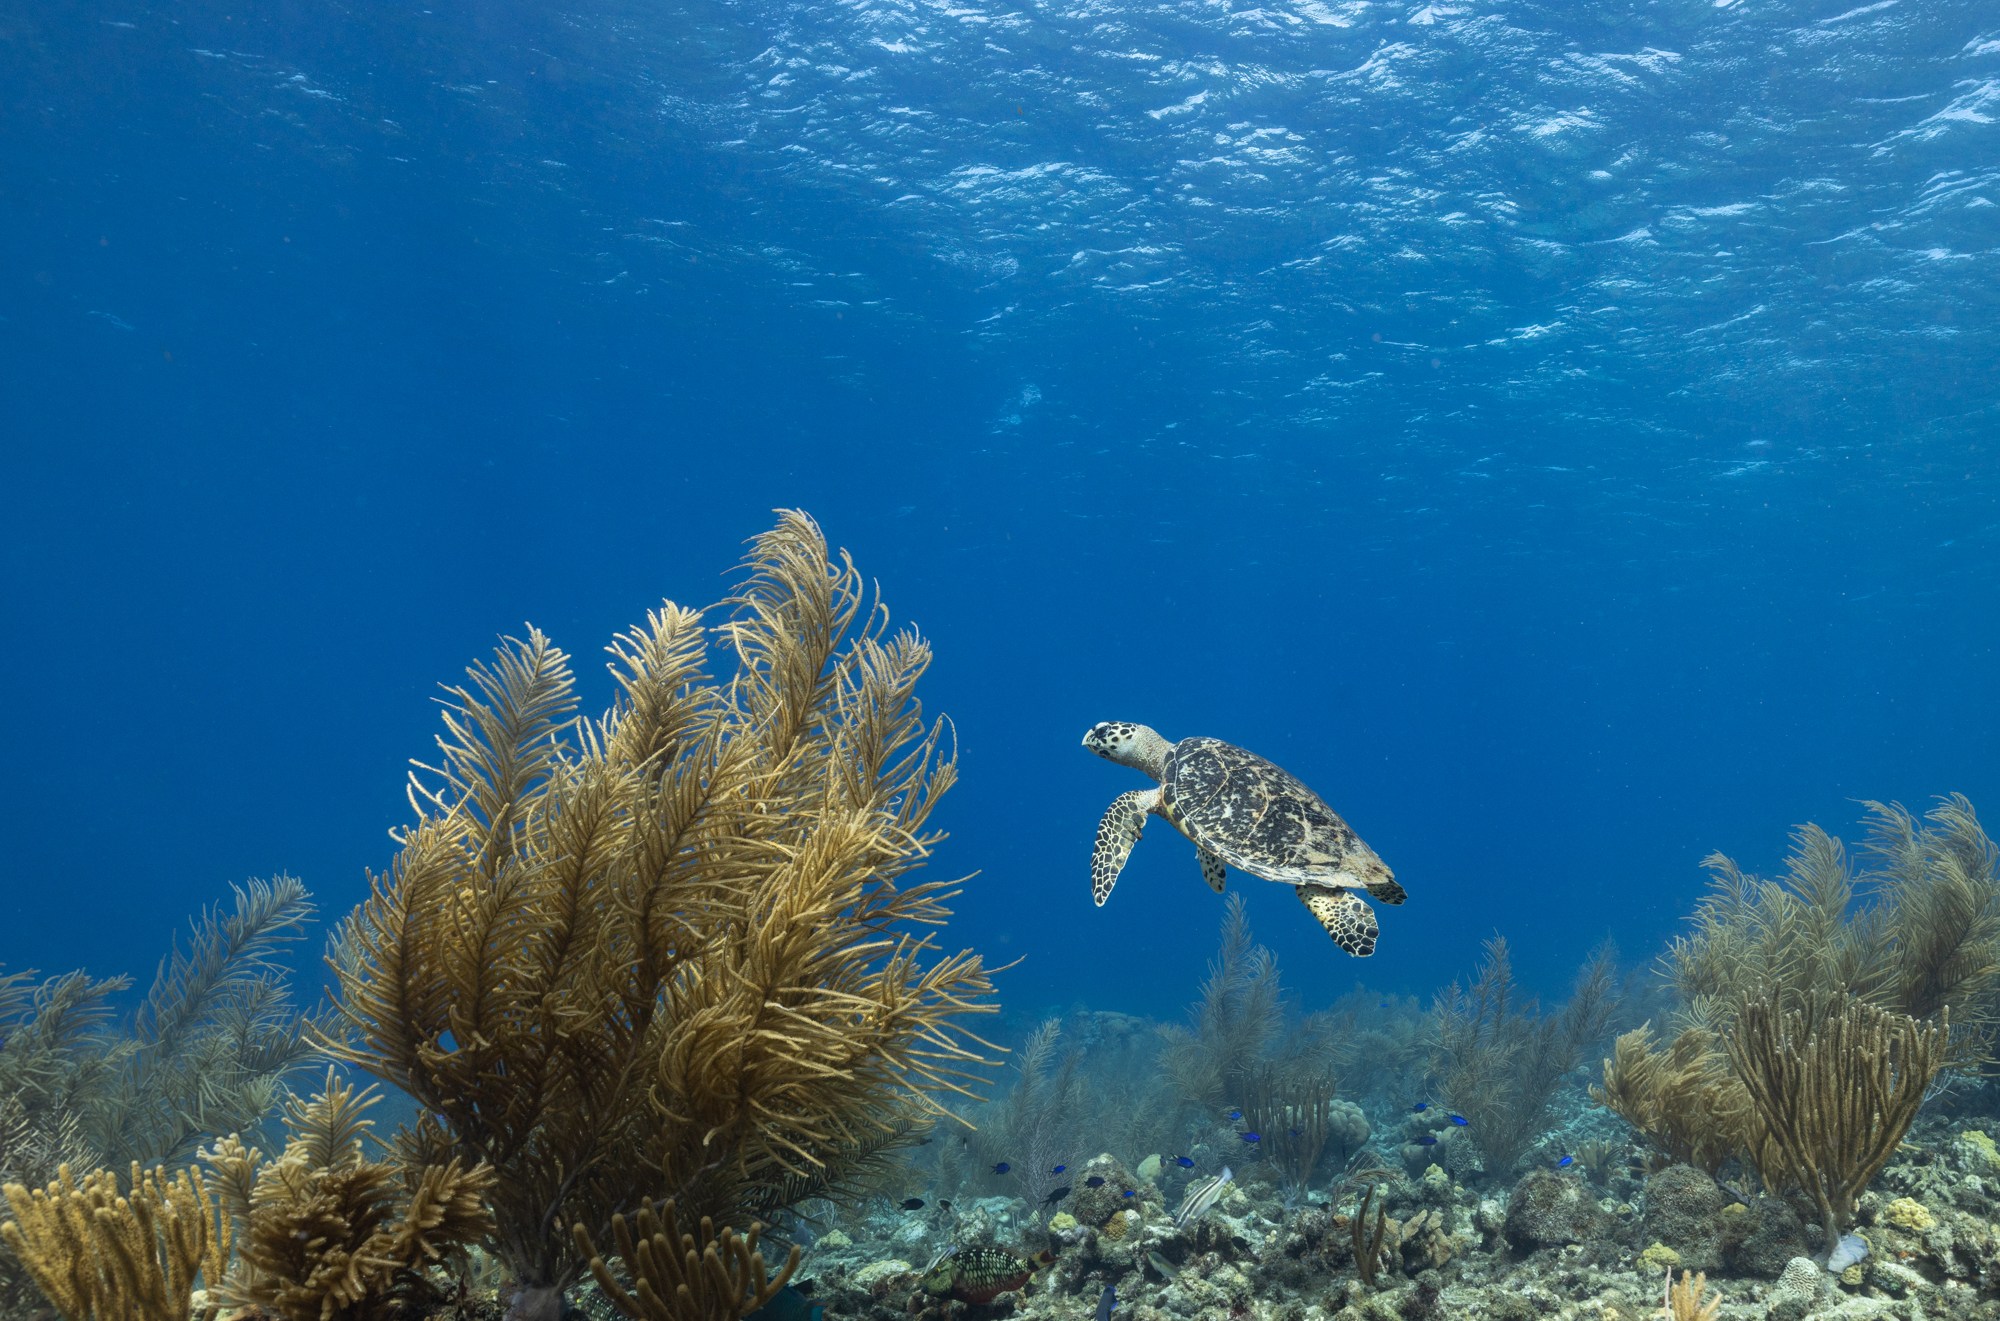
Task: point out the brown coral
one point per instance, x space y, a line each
1684 1099
1835 1086
677 1276
327 1234
676 951
101 1256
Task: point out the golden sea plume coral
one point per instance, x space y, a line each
677 1276
1688 1300
678 951
1915 931
1684 1099
329 1235
98 1255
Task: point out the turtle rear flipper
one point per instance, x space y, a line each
1346 918
1116 834
1388 891
1212 869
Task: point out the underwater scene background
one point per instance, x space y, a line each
1561 437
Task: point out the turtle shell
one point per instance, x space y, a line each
1262 819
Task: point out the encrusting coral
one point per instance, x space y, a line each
99 1255
674 952
329 1235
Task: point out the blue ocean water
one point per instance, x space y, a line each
1565 435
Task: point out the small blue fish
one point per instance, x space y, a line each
1094 1181
1460 1120
1235 1116
1251 1137
1565 1162
1427 1141
1297 1132
1184 1162
1421 1106
1105 1302
1058 1169
1129 1192
1002 1167
1383 1005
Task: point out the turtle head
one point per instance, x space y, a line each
1129 745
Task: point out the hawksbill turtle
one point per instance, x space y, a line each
1245 812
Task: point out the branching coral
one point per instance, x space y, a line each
326 1234
216 1039
1917 932
1033 1126
1299 1118
101 1256
676 1276
1498 1058
1684 1099
1835 1085
1688 1300
677 951
1240 1014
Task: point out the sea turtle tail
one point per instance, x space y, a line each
1116 834
1349 921
1212 869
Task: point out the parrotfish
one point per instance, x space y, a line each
980 1274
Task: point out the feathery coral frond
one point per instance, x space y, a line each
678 950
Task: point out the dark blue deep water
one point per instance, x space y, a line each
1564 434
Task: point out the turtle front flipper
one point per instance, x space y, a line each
1116 834
1349 921
1212 869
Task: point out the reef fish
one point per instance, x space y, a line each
1105 1302
1166 1268
1056 1196
913 1203
1200 1197
1251 1137
1002 1167
789 1305
1460 1120
980 1274
1184 1162
1094 1181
